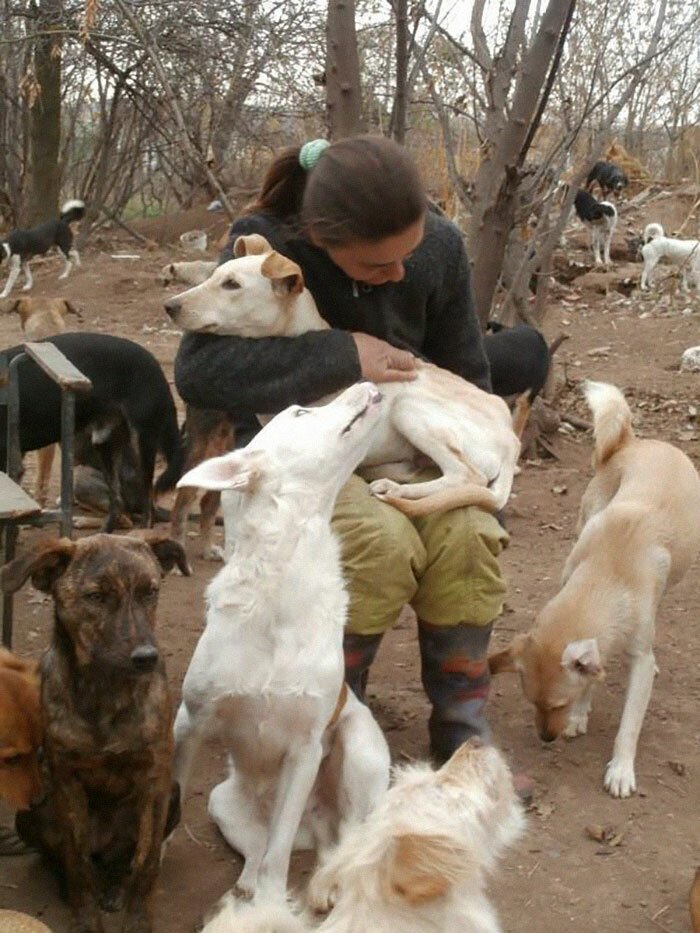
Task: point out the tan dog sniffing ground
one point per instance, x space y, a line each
43 317
639 531
466 432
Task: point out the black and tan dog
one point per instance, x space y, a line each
107 720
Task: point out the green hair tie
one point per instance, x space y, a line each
310 153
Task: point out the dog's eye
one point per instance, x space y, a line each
301 411
231 284
94 596
151 591
12 760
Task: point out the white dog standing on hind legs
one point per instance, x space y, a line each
307 758
639 531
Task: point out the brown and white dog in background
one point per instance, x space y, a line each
43 317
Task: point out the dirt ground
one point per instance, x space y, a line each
558 878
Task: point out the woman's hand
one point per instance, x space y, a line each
380 362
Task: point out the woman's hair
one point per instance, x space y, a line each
361 188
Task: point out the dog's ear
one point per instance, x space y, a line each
285 275
423 867
21 306
44 564
240 470
251 245
583 657
70 308
508 660
169 553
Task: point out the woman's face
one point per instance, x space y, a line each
377 262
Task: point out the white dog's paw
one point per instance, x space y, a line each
381 488
214 553
619 778
321 893
576 725
245 887
26 288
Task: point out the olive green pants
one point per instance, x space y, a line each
445 565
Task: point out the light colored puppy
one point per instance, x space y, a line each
43 317
306 757
682 253
40 318
419 862
466 432
639 533
189 273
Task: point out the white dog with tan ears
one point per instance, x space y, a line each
307 759
419 862
468 433
639 533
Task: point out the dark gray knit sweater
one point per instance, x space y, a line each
429 312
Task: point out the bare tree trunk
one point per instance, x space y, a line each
497 179
343 88
44 173
400 110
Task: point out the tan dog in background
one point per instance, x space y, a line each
43 317
639 532
20 730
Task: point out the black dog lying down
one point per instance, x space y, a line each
128 389
519 359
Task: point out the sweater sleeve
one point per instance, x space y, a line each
266 374
454 339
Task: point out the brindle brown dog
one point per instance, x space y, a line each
107 720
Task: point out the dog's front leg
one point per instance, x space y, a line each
72 815
299 771
577 723
15 265
620 779
144 867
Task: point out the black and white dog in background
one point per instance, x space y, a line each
21 245
610 178
601 218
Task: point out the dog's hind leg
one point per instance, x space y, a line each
75 256
45 458
208 507
238 816
28 279
15 264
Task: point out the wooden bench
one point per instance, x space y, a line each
16 507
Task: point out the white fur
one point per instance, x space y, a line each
419 862
682 253
189 273
269 664
651 231
466 432
69 205
601 232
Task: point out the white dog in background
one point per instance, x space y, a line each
307 759
682 253
419 862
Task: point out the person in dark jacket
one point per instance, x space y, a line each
392 279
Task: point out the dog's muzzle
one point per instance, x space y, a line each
144 658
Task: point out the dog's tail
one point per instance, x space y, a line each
73 210
253 918
612 418
173 449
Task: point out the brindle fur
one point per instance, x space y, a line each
107 725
